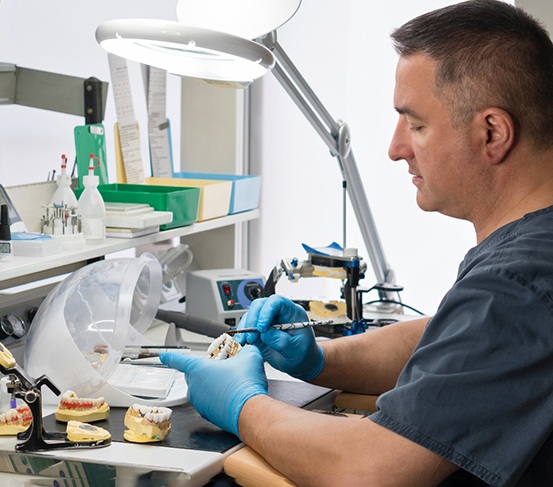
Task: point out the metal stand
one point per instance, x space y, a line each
36 438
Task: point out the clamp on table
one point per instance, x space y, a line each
36 438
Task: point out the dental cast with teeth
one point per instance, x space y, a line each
147 423
15 420
223 347
72 407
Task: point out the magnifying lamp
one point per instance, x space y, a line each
186 50
211 36
244 18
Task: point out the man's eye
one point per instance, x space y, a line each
416 128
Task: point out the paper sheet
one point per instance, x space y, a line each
158 124
127 126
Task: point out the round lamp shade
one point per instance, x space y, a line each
244 18
186 50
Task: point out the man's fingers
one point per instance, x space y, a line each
179 361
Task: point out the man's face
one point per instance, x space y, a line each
442 159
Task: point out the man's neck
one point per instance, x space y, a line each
525 189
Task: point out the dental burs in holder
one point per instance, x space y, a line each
36 438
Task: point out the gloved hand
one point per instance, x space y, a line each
218 389
295 351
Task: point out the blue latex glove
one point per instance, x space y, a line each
295 351
218 389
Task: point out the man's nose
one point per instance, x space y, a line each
400 147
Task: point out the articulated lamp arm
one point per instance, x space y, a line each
336 136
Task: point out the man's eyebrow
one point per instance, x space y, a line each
407 111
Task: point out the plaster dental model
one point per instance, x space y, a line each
7 360
147 423
72 407
15 420
83 432
223 347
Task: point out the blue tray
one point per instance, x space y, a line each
245 188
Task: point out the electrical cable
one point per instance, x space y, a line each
391 301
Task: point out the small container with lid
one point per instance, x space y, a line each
64 195
92 208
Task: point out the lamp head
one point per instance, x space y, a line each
189 51
245 18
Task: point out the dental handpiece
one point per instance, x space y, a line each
286 326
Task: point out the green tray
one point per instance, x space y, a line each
182 201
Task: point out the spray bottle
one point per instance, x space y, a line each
64 195
92 207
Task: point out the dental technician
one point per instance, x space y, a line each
466 397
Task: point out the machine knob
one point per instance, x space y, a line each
12 325
231 303
253 290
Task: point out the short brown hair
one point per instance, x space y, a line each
488 53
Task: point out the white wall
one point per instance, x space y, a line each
343 50
58 36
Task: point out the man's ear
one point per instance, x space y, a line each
499 128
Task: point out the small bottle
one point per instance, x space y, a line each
5 234
92 208
64 195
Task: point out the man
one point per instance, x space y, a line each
467 396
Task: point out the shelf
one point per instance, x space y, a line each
18 270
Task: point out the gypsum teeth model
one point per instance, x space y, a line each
86 410
223 347
147 423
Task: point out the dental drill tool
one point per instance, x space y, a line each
306 324
287 326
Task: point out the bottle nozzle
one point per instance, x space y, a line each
91 165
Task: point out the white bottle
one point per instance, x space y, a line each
64 195
92 208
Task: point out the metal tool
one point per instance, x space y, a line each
306 324
287 326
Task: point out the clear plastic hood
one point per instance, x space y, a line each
80 330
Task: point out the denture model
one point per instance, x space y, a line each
7 360
15 420
147 423
223 347
72 407
79 432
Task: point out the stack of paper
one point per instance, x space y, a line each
128 220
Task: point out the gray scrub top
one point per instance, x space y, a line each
478 389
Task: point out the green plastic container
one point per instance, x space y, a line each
182 201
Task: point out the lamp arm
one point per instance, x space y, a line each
336 136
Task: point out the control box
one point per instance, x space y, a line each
222 295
